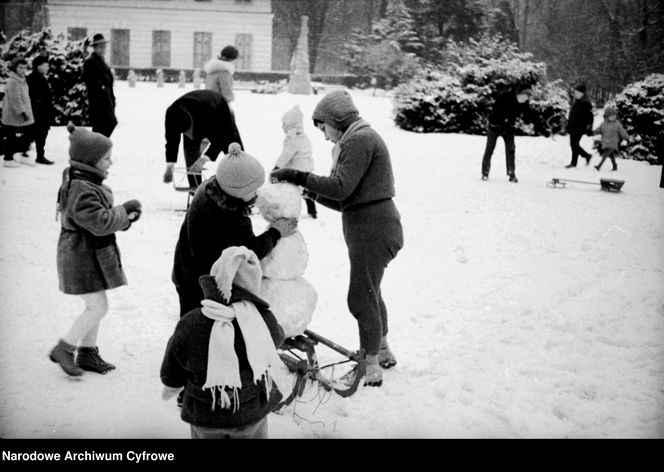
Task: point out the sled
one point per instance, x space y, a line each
609 185
181 182
299 355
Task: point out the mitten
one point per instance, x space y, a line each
285 226
133 209
168 174
289 175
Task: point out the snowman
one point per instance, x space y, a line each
292 299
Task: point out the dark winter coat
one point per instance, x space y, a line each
41 99
505 112
580 120
88 257
185 365
214 222
16 102
212 119
612 132
101 99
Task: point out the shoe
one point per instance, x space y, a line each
513 178
597 168
569 166
43 160
614 170
11 163
485 176
373 375
88 358
313 215
588 159
386 357
63 354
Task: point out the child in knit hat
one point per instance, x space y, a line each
88 257
612 133
297 150
223 353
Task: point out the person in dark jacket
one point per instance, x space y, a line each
196 115
508 107
361 187
218 218
223 354
580 122
42 105
99 82
88 257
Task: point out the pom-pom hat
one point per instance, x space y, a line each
86 146
239 174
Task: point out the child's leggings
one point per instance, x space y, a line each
84 330
611 154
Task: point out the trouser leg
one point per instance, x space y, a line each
192 152
491 139
510 153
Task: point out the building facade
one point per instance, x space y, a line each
176 34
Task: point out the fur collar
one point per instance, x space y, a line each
15 76
217 65
222 199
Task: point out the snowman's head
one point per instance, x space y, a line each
279 200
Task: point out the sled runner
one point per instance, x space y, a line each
299 355
609 185
181 182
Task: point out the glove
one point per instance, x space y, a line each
168 174
197 166
133 209
25 116
285 226
289 175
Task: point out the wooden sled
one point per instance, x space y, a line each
608 185
181 182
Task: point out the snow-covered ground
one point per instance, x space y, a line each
516 311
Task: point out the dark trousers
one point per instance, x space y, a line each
40 134
105 129
192 152
577 150
311 206
17 139
491 140
608 154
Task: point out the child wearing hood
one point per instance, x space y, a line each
224 353
611 132
297 150
88 256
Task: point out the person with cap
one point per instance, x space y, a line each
508 107
197 115
42 105
579 122
612 133
99 83
297 151
223 354
17 118
218 218
88 258
219 73
361 187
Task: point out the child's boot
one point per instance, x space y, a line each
88 358
386 358
63 354
373 375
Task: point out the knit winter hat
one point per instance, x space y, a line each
39 60
337 109
610 111
239 174
240 266
87 146
292 118
581 88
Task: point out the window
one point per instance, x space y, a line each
202 49
76 34
120 47
161 48
243 45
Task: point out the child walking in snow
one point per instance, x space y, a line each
88 257
611 132
297 151
224 353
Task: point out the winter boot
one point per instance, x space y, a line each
485 177
63 354
373 376
386 358
513 178
88 358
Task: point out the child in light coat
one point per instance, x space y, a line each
297 150
611 132
88 257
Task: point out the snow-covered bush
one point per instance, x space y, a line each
458 98
641 111
66 62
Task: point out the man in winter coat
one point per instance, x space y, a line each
17 115
196 115
99 82
580 122
502 121
42 105
219 73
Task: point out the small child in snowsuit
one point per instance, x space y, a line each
297 151
88 257
224 353
611 132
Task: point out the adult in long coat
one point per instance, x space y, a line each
99 82
579 122
42 105
196 115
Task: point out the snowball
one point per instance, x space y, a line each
282 200
292 301
288 259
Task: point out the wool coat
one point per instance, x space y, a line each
101 99
505 112
185 365
611 132
580 120
88 258
214 221
16 102
41 99
219 78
